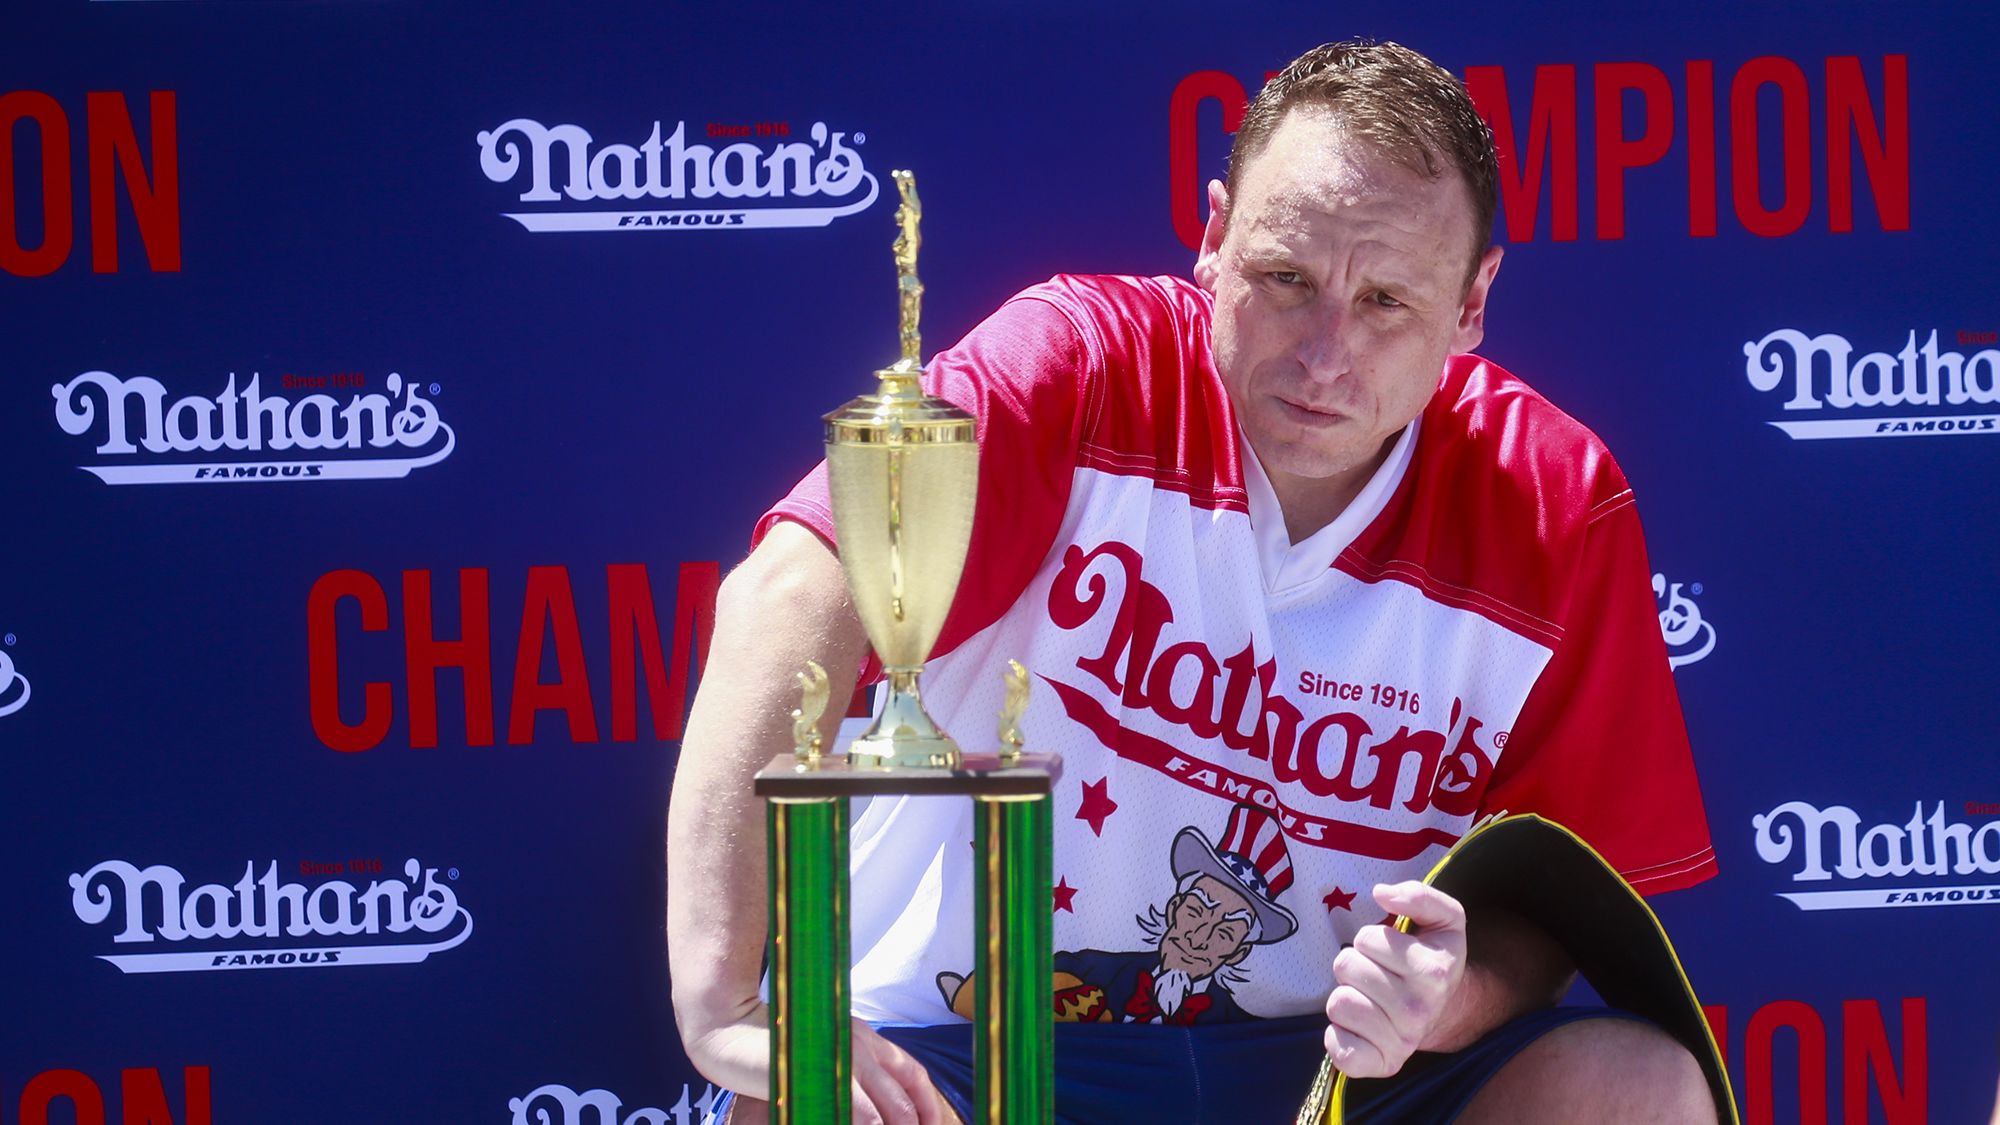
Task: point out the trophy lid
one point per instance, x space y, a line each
899 413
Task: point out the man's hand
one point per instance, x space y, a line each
1393 989
890 1087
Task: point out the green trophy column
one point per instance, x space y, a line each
811 1056
1014 1024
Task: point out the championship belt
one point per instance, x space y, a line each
1545 873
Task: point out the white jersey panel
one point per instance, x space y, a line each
1279 754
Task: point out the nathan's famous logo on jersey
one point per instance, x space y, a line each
1831 392
560 1105
398 921
1833 845
1237 715
743 184
365 435
1688 637
14 687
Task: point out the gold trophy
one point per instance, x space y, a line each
903 470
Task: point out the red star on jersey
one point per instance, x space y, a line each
1097 805
1338 899
1064 894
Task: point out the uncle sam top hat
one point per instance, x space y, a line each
1251 857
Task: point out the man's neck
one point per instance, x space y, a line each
1309 504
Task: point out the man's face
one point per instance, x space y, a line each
1339 282
1206 925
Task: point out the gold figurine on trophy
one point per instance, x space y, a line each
903 470
909 288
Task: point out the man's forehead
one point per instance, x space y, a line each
1314 168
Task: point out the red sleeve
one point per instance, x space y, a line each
1600 746
1023 374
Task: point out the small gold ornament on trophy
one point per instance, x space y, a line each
903 469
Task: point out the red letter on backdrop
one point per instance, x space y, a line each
1885 146
1615 154
146 1099
1811 1033
1795 131
74 1085
323 661
472 653
1701 148
1184 185
1864 1051
549 604
58 212
156 206
1551 136
1717 1016
633 619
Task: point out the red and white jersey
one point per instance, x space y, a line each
1292 723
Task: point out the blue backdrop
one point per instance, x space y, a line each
535 387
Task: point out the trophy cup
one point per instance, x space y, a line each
903 470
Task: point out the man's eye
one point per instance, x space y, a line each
1285 277
1384 300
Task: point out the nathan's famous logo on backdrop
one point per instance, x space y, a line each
109 144
745 184
1732 141
1688 637
144 437
14 687
1876 394
398 921
352 710
1832 845
560 1105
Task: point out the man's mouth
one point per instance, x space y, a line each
1308 415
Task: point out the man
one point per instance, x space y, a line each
1270 539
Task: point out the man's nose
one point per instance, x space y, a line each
1325 347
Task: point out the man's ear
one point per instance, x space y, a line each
1208 262
1472 310
1242 951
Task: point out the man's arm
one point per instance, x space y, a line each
1439 987
787 604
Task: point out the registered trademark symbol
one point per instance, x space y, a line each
9 638
435 388
452 874
1500 740
1696 588
860 138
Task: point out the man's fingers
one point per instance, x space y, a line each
1427 908
1354 1054
896 1088
1415 957
1403 1011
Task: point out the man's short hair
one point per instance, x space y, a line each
1390 96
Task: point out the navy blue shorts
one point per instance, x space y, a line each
1245 1072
